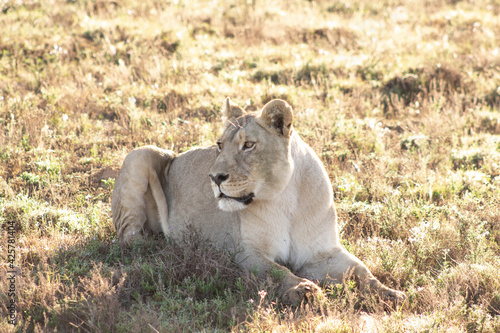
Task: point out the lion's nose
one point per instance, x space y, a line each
219 178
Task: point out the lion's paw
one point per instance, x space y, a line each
304 291
131 236
393 295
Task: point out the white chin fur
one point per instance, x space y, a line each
215 189
230 205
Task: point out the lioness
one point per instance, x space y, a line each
261 193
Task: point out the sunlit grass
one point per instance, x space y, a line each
400 100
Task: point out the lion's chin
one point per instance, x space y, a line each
231 205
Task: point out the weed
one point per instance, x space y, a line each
400 101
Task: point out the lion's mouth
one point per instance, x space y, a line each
247 199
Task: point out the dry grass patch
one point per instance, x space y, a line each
399 100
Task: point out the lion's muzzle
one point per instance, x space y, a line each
231 189
219 178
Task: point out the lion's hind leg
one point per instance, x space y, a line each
139 205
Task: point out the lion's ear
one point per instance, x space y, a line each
277 115
230 111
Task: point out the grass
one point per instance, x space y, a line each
399 99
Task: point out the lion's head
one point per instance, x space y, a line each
254 160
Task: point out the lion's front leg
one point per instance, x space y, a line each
292 290
333 267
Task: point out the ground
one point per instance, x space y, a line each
400 99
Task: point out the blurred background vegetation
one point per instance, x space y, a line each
400 99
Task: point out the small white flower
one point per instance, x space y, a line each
132 101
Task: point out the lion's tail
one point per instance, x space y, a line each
156 180
138 203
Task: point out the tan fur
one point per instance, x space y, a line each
262 193
138 202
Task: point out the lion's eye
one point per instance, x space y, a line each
248 145
219 146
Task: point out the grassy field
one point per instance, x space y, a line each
400 99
